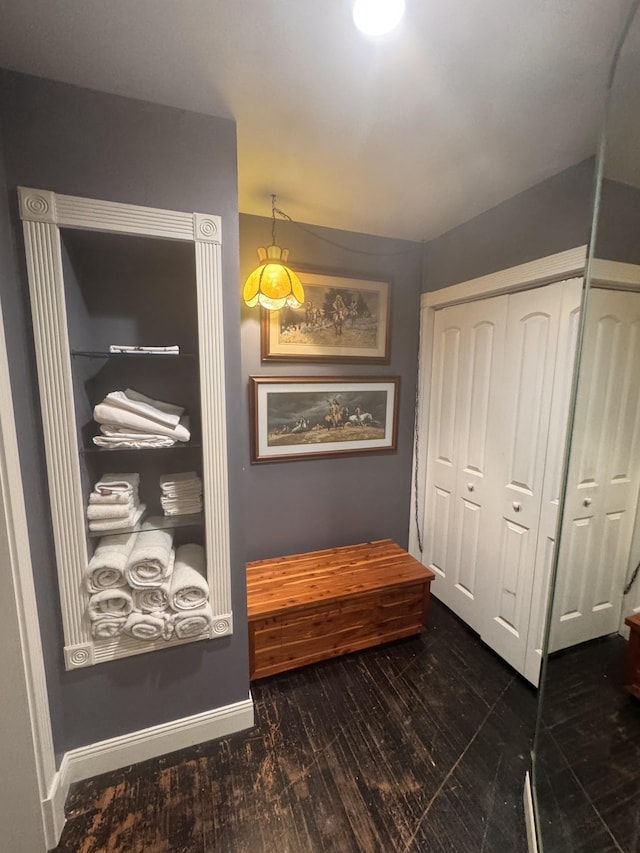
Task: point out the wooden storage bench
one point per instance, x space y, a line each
309 607
632 667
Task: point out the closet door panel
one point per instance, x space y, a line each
525 403
459 464
552 485
604 473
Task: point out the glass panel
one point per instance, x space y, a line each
586 760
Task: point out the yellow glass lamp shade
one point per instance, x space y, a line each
272 284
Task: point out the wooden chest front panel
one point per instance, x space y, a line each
632 667
309 634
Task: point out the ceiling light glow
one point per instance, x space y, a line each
377 17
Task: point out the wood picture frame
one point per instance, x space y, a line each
311 416
343 319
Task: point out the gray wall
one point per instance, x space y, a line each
550 217
319 503
86 143
619 223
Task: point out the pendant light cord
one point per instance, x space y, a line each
418 248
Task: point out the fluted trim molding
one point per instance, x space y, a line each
44 213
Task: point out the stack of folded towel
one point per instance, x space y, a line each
129 419
141 586
114 503
181 494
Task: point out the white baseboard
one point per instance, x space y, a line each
108 755
529 817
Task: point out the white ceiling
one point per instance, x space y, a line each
467 103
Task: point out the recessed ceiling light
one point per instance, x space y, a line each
377 17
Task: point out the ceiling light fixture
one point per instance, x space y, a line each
377 17
272 284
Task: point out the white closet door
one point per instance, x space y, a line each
604 474
468 342
545 548
524 400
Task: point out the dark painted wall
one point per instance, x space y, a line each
550 217
86 143
619 223
319 503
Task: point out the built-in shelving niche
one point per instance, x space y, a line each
102 273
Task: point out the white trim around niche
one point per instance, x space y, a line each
557 267
114 753
44 213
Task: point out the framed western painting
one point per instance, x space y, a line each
342 320
297 417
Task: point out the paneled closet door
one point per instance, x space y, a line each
524 401
565 356
468 343
604 474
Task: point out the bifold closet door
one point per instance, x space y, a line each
604 474
460 490
524 398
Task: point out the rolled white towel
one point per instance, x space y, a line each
153 599
110 484
151 561
189 589
107 524
107 566
99 512
193 623
156 410
107 413
149 626
107 627
110 602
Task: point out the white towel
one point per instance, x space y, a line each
154 410
96 499
110 602
107 627
140 442
189 589
110 484
107 566
180 509
177 481
192 623
149 626
151 561
107 413
170 350
100 512
152 599
122 524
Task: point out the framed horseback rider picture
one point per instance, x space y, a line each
343 319
310 416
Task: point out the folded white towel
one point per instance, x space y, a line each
179 492
110 484
151 561
152 599
149 626
185 478
110 602
107 566
170 350
189 589
189 509
97 512
107 413
96 499
107 627
133 443
192 623
122 524
154 410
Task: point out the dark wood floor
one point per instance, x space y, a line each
588 773
419 745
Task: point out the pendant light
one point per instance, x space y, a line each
272 284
